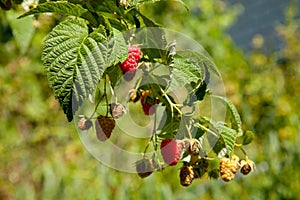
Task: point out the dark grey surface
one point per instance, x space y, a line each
259 17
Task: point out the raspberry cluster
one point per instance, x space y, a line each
104 126
228 168
129 66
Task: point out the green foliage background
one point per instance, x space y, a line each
42 156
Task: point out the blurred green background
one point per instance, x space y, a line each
42 156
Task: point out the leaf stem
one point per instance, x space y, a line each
206 129
172 105
97 105
244 152
189 132
153 134
106 99
154 131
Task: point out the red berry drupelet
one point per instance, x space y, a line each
129 66
171 151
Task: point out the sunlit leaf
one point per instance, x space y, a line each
236 122
229 136
61 7
76 60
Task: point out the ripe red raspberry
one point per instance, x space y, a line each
131 63
171 151
148 103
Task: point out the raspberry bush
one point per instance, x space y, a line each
90 53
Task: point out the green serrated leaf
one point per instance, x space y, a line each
148 22
203 61
236 122
76 60
115 74
141 2
229 136
192 67
220 144
61 7
60 59
183 73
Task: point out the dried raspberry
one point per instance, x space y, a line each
129 66
104 126
191 146
171 151
246 166
84 123
123 3
186 175
148 103
134 95
116 110
228 168
144 167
